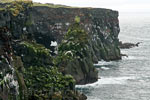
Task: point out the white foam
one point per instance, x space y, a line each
135 58
106 81
105 68
102 63
129 57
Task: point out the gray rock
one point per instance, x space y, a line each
128 45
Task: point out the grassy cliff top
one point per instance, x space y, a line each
6 1
51 5
36 3
9 1
40 4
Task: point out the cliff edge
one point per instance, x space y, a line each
102 25
42 45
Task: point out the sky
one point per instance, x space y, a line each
120 5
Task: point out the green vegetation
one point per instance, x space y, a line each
18 6
29 22
36 49
50 5
73 46
43 82
37 76
56 5
77 19
42 78
1 9
6 1
10 1
35 54
75 40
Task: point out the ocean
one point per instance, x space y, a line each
129 78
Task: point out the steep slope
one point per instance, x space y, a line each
38 38
102 26
50 25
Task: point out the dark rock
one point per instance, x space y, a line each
43 24
128 45
124 55
8 86
102 25
74 55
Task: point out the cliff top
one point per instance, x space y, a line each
9 1
36 3
4 3
51 5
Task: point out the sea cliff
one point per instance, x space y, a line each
43 48
102 26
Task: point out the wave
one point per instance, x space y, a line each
106 81
105 68
129 57
135 58
100 63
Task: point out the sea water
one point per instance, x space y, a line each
129 78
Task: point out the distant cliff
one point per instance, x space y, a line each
37 38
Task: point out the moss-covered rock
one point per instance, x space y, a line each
41 77
34 54
44 82
19 70
74 57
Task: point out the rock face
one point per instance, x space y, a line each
47 25
128 45
26 67
10 25
32 37
75 57
102 26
